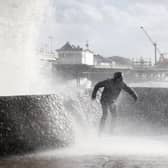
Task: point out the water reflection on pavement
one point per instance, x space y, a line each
99 161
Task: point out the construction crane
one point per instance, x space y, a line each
156 49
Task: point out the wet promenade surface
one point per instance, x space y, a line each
96 161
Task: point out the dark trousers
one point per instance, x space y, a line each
105 108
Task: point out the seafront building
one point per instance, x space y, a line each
71 54
75 62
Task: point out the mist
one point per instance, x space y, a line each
20 26
48 112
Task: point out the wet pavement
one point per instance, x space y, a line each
86 161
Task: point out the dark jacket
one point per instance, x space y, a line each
112 90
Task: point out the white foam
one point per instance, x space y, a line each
115 146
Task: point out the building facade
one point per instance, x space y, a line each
70 54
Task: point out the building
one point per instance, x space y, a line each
118 61
112 62
98 59
75 55
141 63
45 53
163 61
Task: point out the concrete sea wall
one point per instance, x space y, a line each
29 123
149 115
38 122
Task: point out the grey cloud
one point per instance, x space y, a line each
111 25
85 12
76 12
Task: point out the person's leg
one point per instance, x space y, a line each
104 116
113 111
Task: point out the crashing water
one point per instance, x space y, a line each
20 26
71 116
140 139
92 150
20 23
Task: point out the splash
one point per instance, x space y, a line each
141 138
20 22
113 146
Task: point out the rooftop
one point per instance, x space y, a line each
70 47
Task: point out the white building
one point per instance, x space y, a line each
70 54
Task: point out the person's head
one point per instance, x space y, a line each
118 76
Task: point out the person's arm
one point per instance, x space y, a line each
130 91
96 88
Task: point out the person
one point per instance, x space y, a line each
112 88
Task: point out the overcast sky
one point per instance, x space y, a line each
112 27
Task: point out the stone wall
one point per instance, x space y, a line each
38 122
149 115
29 123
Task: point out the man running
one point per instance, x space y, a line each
112 88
